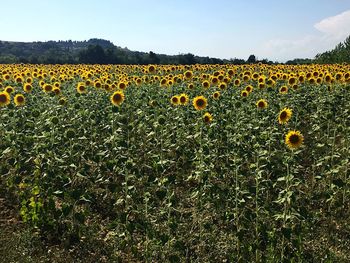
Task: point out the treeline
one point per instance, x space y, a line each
98 51
340 54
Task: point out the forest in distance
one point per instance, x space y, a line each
100 51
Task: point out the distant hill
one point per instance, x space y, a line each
92 51
96 51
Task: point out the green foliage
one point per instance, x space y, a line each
152 182
340 54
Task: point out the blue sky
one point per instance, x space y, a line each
274 29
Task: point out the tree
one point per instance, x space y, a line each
251 59
153 58
93 55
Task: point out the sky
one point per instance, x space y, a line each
278 30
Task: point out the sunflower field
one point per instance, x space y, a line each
176 163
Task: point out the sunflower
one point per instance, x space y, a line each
6 77
249 88
284 115
163 82
312 80
56 90
214 81
190 86
138 81
328 78
261 104
222 85
4 98
207 117
292 81
62 101
283 90
188 74
117 98
81 89
151 69
19 100
29 80
244 93
216 95
261 85
206 84
231 72
19 79
122 85
199 102
183 98
246 78
270 82
294 139
47 87
97 84
175 100
9 89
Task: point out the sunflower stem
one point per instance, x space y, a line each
332 162
286 208
200 187
236 209
346 171
257 207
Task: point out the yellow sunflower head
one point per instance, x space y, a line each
294 139
283 90
216 95
188 74
27 87
249 88
199 102
222 85
206 84
244 93
47 87
9 89
183 99
262 104
19 100
117 98
151 69
292 81
56 90
207 117
5 98
175 100
284 115
122 85
81 89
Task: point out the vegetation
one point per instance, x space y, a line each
194 163
340 54
100 51
96 51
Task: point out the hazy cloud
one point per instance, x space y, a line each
331 31
336 26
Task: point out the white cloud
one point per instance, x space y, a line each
331 31
336 26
